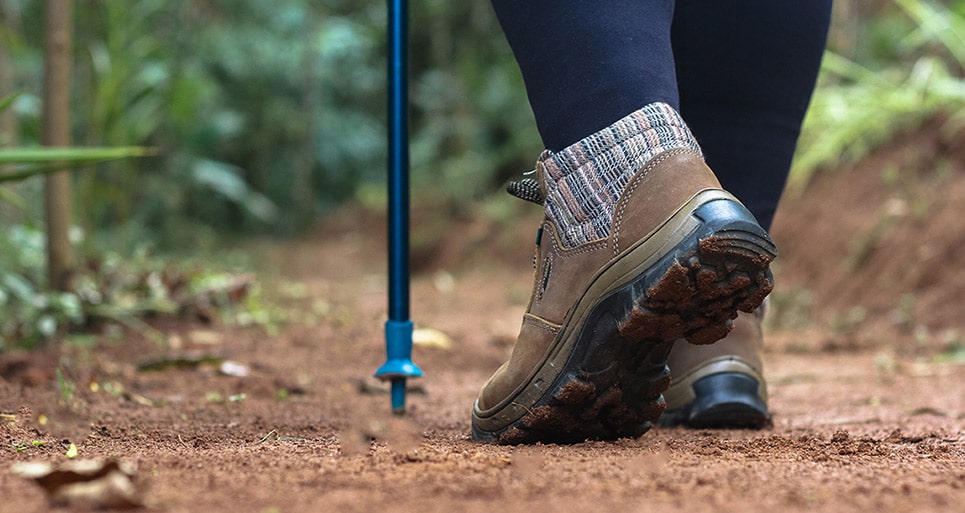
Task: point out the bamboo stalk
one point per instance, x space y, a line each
56 132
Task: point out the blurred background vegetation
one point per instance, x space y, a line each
268 115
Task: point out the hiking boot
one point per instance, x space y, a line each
720 386
679 258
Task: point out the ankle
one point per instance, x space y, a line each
583 182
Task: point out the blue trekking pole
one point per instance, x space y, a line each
398 329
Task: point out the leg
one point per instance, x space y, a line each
746 72
587 63
745 78
639 247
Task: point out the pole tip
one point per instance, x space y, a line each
398 395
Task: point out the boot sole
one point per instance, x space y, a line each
606 372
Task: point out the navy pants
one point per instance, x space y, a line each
740 72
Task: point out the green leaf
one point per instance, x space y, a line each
226 180
70 154
6 195
939 22
8 100
19 286
39 161
25 172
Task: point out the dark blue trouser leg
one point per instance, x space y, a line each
745 72
741 72
588 63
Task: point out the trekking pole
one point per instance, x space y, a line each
398 329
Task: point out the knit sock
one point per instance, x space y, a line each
583 182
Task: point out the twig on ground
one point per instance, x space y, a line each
271 433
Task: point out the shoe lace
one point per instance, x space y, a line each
526 189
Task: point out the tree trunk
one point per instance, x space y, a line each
56 132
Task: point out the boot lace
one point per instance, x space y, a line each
526 189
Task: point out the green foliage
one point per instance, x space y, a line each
28 313
858 107
267 114
114 289
472 124
8 100
67 387
43 160
30 162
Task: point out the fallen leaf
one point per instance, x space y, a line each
85 483
206 337
138 398
233 368
431 337
180 362
444 282
927 410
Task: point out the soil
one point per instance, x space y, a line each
865 359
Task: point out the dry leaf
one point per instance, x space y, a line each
185 361
430 337
85 483
206 337
233 368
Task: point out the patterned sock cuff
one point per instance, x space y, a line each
583 182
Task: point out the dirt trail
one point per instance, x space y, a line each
860 423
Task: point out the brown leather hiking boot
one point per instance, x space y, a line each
681 257
720 386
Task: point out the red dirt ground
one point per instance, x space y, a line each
865 364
